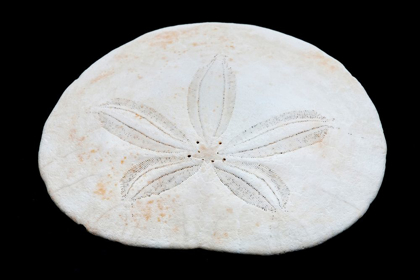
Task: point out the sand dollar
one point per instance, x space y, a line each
219 136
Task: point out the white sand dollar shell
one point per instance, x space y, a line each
219 136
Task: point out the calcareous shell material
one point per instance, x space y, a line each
220 136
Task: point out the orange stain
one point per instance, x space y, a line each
164 39
101 76
101 191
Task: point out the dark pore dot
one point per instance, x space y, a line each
189 155
198 142
220 143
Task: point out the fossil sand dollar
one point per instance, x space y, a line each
219 136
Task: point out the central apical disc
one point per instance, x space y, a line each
219 136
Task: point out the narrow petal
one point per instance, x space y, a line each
157 175
251 188
278 135
211 99
279 192
141 126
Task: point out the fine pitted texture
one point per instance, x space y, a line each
219 136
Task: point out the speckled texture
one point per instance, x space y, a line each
316 186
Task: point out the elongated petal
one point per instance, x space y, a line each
278 135
157 175
255 184
278 193
211 99
141 126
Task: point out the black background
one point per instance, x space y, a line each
59 46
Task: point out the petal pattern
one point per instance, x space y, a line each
210 102
279 192
156 175
245 189
211 99
142 126
254 183
278 135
